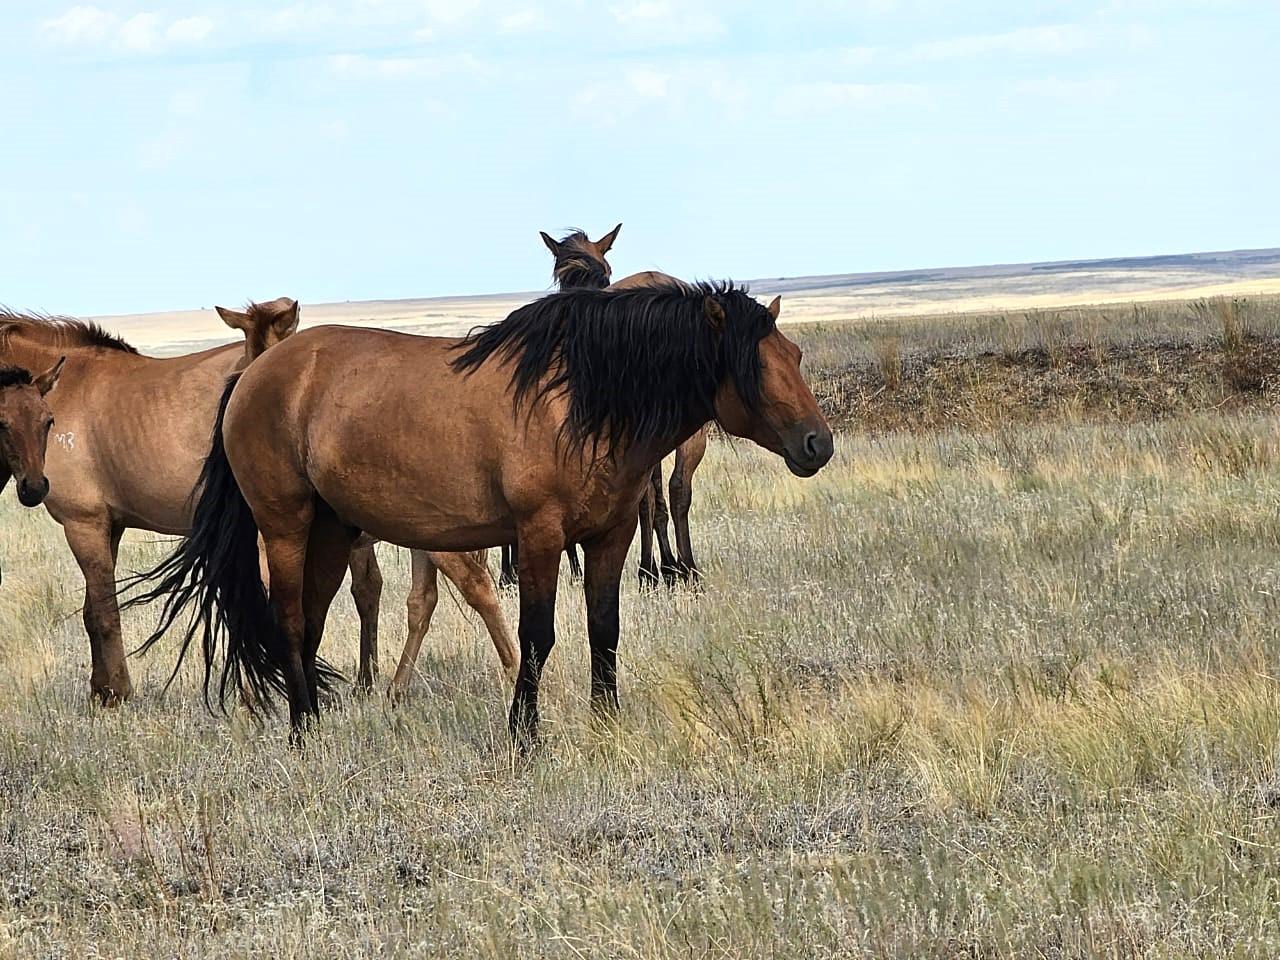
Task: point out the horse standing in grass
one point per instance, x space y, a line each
544 428
680 564
131 437
25 422
579 262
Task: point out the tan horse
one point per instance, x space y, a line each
131 435
25 422
543 428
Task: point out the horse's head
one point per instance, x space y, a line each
264 324
25 420
580 261
762 396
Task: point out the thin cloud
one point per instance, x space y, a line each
90 26
521 21
669 21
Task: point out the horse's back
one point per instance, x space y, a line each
361 415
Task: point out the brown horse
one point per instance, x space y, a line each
25 422
579 262
678 565
544 428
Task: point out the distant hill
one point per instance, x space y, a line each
1023 286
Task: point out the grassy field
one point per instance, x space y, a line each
1005 693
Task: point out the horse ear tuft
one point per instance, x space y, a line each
775 308
550 242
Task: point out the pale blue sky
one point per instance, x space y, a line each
159 155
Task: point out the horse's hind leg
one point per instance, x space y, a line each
688 457
366 590
470 575
286 551
423 596
328 553
575 567
95 542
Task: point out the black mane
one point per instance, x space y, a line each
14 377
579 265
63 331
636 365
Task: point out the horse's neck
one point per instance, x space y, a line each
637 462
37 354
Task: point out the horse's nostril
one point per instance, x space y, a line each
811 444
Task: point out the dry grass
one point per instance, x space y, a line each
832 347
1001 694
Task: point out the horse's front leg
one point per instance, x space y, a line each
95 543
540 546
605 556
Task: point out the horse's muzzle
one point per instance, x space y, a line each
809 450
31 493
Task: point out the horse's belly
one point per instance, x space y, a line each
428 512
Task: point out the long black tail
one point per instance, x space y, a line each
214 574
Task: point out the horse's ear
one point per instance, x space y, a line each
233 318
551 244
775 308
715 312
49 379
605 243
286 321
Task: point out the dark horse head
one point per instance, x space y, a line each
708 351
580 261
25 420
